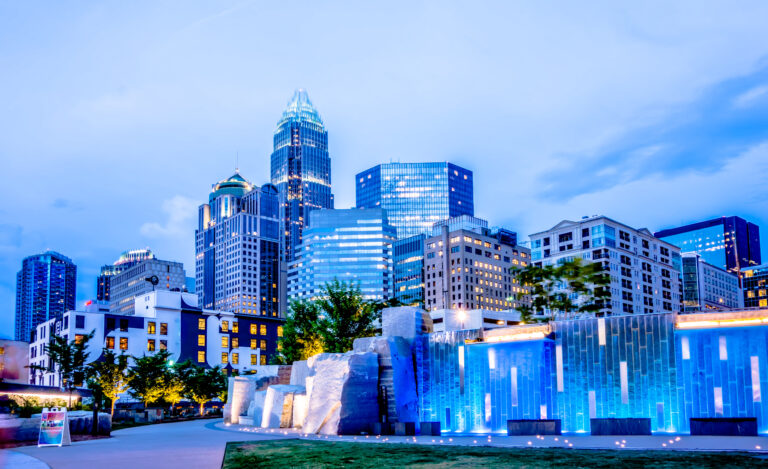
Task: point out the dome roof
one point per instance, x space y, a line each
234 185
300 109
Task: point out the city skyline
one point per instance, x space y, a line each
123 149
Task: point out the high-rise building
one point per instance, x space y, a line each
706 287
237 246
45 289
644 271
730 243
471 269
408 269
756 286
350 245
137 280
416 195
301 169
126 260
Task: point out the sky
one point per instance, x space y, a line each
117 117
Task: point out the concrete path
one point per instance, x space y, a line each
182 445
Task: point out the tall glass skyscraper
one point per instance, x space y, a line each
730 243
301 169
352 246
237 264
416 195
45 289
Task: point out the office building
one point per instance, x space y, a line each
408 269
470 269
126 260
301 169
416 195
45 289
350 245
644 271
755 286
706 287
164 320
237 241
137 280
730 243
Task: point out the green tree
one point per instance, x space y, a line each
201 384
301 337
345 316
149 376
67 360
108 377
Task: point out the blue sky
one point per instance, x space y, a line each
118 116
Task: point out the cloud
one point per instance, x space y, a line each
10 237
181 211
62 203
748 98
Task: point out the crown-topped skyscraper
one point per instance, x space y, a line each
301 169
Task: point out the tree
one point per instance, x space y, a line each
149 376
201 384
107 376
345 316
301 338
66 359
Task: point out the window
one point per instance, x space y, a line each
565 237
79 322
235 327
225 341
263 345
201 324
110 324
235 342
262 359
254 359
224 326
235 358
201 356
150 327
123 343
110 343
201 340
254 344
163 345
79 338
224 357
279 331
254 329
150 345
66 322
123 325
163 328
263 329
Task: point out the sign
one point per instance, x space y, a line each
54 427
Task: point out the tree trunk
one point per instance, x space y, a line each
202 403
112 410
95 425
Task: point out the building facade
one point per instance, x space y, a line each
706 287
45 289
136 280
127 260
350 245
471 269
755 286
164 320
416 195
730 243
237 248
300 169
644 271
408 269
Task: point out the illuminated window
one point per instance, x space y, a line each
235 358
150 327
110 343
263 329
280 345
763 303
279 331
150 345
224 326
201 324
254 329
224 357
254 344
235 342
163 345
79 338
225 341
123 343
201 356
263 345
235 327
163 328
201 340
263 360
254 359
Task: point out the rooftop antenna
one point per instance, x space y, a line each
237 162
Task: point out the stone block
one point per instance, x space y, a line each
620 426
300 404
278 406
381 428
405 321
255 409
533 427
343 393
739 426
405 428
299 373
242 389
429 429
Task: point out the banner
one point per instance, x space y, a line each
54 427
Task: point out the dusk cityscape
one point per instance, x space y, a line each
533 228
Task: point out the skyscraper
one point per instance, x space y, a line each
730 243
45 289
126 260
133 281
416 195
350 245
301 169
237 264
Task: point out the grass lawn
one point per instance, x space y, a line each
304 453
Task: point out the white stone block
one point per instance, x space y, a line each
256 408
300 406
278 406
405 321
241 395
299 373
